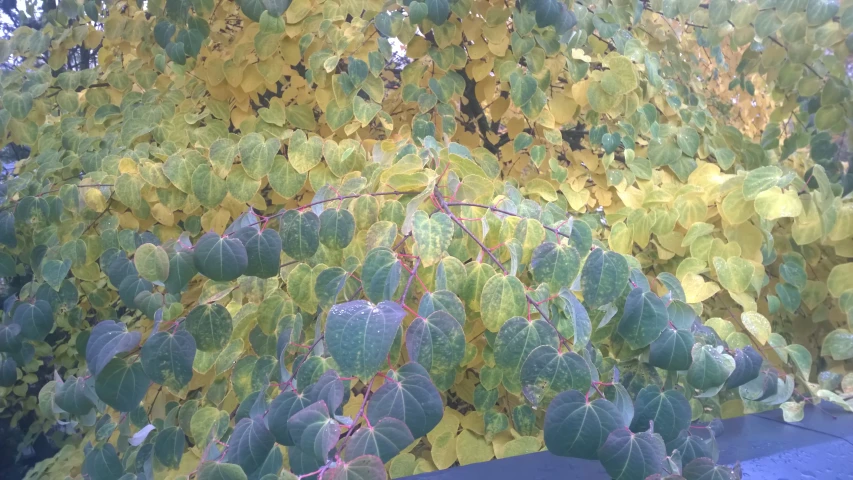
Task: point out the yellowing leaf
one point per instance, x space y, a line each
757 325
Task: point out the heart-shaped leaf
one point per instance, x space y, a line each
365 467
385 439
210 325
263 250
576 427
122 386
220 258
668 409
359 335
337 227
603 278
502 298
249 445
169 446
432 235
313 430
380 274
672 350
108 339
284 406
167 358
513 344
554 264
35 319
438 343
632 456
643 319
412 398
300 233
547 372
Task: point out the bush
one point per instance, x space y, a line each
252 257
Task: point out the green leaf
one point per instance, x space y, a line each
438 11
690 446
513 344
220 258
442 300
131 288
18 104
167 358
438 343
707 469
747 367
263 250
54 272
432 235
385 440
412 398
576 427
547 372
257 155
709 370
249 445
207 187
152 262
284 406
169 447
122 386
337 227
380 274
210 325
688 141
554 264
819 12
365 467
603 277
181 271
837 344
102 463
522 89
802 359
108 339
502 298
359 335
759 180
667 409
71 396
632 456
580 318
643 319
240 185
284 179
10 340
300 233
314 431
220 471
329 285
35 319
672 350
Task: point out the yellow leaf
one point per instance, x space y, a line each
773 203
444 450
696 289
757 325
840 279
472 448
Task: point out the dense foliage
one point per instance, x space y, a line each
351 239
